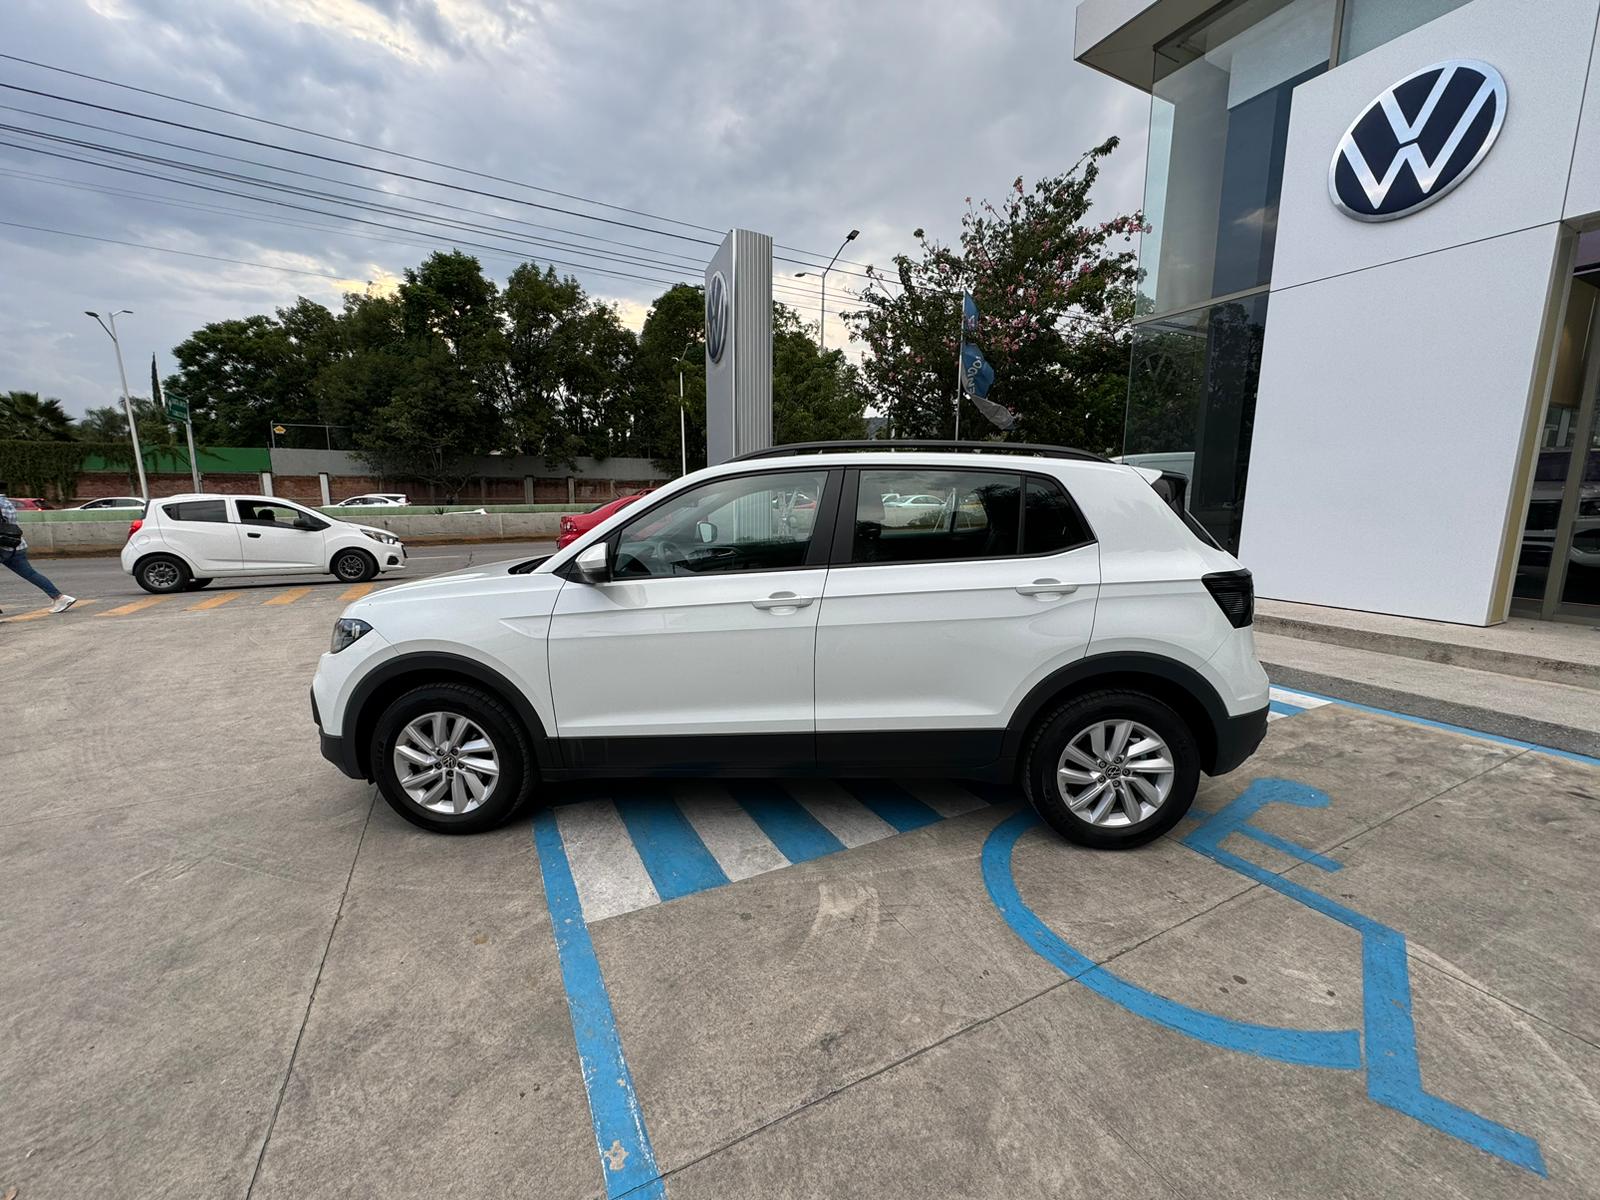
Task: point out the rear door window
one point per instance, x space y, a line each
935 515
196 510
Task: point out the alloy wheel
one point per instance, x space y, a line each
446 763
1115 773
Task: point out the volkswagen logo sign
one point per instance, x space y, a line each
1417 140
716 317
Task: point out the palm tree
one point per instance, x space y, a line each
25 417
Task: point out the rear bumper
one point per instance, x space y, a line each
1237 739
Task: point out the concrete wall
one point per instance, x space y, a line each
1406 362
78 537
489 466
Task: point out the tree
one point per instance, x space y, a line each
672 338
1055 296
419 368
241 376
566 374
816 395
25 417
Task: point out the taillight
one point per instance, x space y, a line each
568 525
1235 595
134 528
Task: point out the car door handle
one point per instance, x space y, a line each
786 600
252 535
1046 588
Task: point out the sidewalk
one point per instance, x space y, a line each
1538 681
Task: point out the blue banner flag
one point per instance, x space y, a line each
977 376
969 314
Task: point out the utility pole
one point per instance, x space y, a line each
683 418
109 324
822 312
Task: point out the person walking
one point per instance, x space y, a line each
14 554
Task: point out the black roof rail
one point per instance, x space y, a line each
1031 449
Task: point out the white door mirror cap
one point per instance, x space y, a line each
593 563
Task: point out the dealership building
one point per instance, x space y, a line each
1370 325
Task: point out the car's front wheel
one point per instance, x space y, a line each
161 574
452 758
1112 769
354 566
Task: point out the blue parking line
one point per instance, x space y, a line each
798 835
1570 755
892 803
1338 1049
1285 710
627 1161
673 854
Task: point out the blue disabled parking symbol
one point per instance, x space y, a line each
1385 1045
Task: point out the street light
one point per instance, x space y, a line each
109 324
822 322
683 419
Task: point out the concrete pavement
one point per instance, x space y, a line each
227 972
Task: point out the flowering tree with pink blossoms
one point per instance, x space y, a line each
1055 293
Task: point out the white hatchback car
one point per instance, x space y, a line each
1062 628
183 542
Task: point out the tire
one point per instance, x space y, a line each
353 566
161 574
1159 797
510 749
194 585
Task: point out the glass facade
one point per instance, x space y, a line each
1219 126
1192 401
1368 24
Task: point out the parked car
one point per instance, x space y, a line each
122 502
184 542
1077 636
577 524
31 503
375 500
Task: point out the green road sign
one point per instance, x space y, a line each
178 410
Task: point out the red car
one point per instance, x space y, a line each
578 524
31 503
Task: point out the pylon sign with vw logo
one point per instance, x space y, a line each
1418 140
716 316
739 346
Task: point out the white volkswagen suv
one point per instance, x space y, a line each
1052 622
183 542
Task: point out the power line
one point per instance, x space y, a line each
361 166
381 150
422 238
677 267
342 182
169 250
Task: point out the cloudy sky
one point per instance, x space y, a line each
802 120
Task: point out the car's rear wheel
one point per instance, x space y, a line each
354 566
452 758
1112 769
161 574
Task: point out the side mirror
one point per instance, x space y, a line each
707 532
593 563
306 524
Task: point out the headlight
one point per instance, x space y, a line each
379 535
346 632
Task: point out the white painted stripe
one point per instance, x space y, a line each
841 813
1272 716
944 797
606 868
733 838
1298 699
